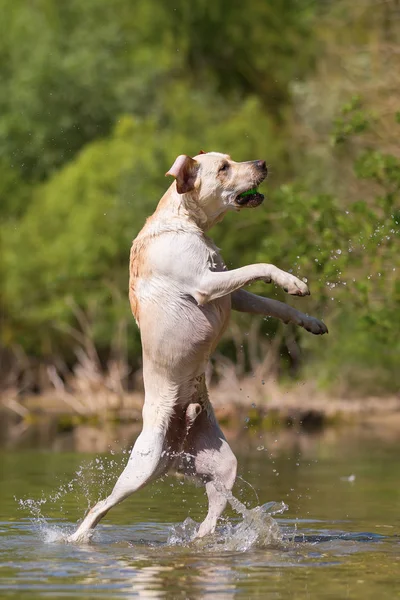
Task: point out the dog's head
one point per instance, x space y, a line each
216 183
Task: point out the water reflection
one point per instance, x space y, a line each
65 435
337 539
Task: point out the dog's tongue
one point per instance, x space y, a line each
248 193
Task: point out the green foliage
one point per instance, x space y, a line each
68 69
352 121
382 168
74 238
252 50
98 98
92 61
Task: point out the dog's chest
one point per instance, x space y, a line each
215 260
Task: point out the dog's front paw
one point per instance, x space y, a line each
294 286
313 325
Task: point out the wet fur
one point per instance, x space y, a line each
181 295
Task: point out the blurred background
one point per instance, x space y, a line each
97 98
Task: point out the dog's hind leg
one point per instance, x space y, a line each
210 458
146 462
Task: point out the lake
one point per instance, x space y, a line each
338 538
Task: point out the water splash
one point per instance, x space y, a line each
239 477
183 534
256 529
90 482
47 531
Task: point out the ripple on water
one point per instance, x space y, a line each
158 556
338 554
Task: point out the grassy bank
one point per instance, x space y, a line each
94 112
246 407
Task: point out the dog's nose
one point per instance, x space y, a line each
262 165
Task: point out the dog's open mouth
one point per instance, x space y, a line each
249 198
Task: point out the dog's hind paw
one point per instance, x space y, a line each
80 537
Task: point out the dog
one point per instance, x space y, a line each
181 295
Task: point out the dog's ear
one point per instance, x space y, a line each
184 170
202 152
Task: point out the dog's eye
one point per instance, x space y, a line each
223 167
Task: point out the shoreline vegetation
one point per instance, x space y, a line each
245 408
93 113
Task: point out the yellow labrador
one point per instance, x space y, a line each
181 295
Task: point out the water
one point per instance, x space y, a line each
339 537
